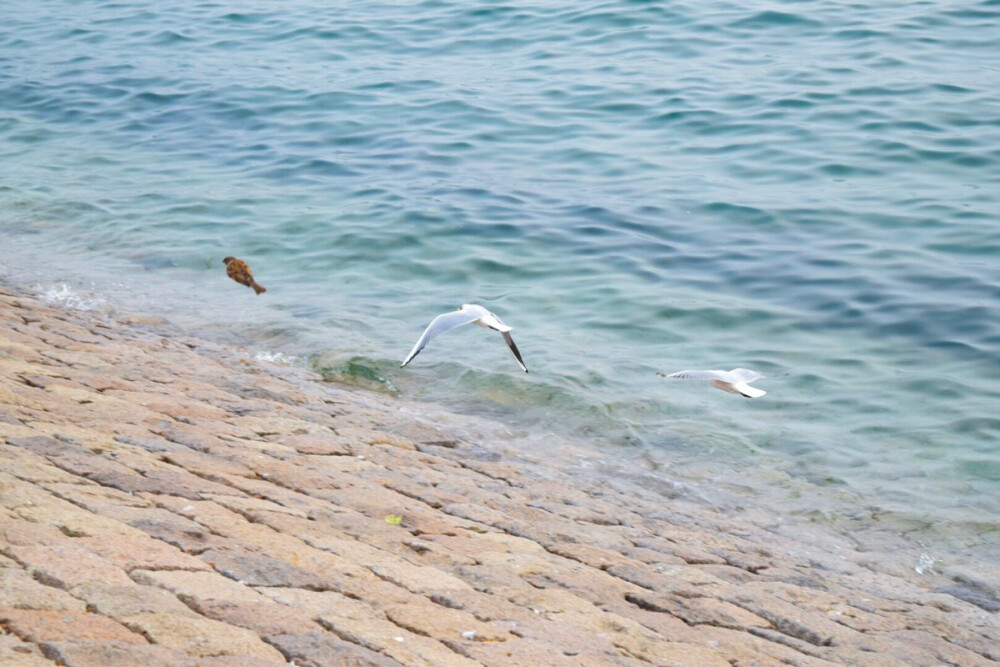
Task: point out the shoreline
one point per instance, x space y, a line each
188 505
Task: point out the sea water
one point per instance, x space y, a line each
808 189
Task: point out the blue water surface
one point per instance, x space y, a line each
810 189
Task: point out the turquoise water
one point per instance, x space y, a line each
810 189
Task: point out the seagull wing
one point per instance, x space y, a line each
438 326
748 391
745 374
513 348
488 319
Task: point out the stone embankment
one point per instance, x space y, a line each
165 502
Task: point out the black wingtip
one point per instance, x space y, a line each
514 350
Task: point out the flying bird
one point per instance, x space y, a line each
736 381
469 313
238 270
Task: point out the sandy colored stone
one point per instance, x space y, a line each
82 653
17 653
263 426
590 555
34 504
930 648
30 467
317 603
180 532
253 506
132 552
325 444
700 610
200 636
261 539
417 578
119 602
368 626
39 626
198 585
258 569
319 649
440 622
476 513
652 579
388 638
237 661
212 467
19 590
429 494
521 652
93 497
786 618
67 565
17 532
264 618
124 450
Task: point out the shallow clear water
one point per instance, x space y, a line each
808 189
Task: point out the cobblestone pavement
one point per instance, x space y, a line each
165 502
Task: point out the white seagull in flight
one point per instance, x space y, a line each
469 313
736 381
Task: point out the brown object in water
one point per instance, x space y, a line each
238 270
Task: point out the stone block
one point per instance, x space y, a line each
248 506
31 467
39 626
17 532
119 602
433 620
699 610
386 637
201 636
590 555
19 590
519 652
196 586
67 565
263 618
318 603
186 535
255 569
793 621
17 653
82 653
93 497
419 579
140 552
39 506
320 649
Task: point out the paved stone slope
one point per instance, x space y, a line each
163 502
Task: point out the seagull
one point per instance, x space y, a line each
469 313
736 381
